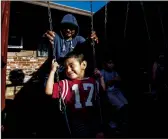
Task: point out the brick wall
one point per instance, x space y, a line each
27 61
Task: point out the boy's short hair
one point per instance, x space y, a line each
74 54
108 59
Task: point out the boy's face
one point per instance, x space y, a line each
74 69
68 30
110 65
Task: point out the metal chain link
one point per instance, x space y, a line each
62 105
49 15
91 10
163 31
94 56
92 42
51 29
147 28
105 23
126 19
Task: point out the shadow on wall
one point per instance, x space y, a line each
27 115
16 77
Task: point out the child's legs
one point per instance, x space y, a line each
121 97
114 100
80 129
123 112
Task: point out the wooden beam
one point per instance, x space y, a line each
61 7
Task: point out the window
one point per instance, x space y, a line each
15 42
42 50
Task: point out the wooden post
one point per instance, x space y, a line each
5 14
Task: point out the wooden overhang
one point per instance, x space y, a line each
61 7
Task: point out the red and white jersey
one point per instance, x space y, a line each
78 95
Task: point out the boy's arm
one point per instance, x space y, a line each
50 81
100 77
102 83
81 39
92 36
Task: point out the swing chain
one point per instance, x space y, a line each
105 22
126 20
49 15
105 19
51 29
94 60
91 15
62 105
92 42
145 18
92 29
163 32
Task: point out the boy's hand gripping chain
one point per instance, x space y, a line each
62 105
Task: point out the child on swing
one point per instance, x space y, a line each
79 93
114 94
